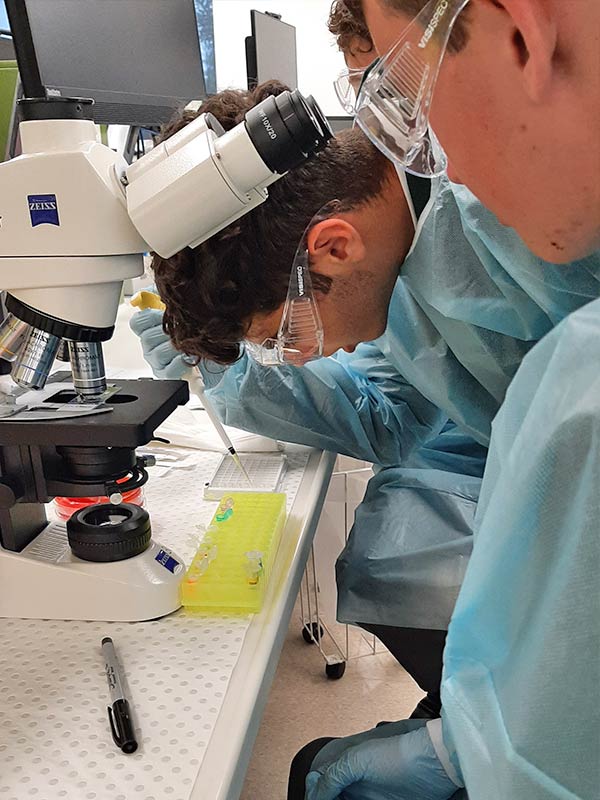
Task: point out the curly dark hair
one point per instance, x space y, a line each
347 23
212 292
229 107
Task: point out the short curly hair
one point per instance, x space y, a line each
212 292
347 23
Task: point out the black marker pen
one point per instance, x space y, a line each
119 716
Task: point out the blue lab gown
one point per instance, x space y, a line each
522 662
470 303
409 547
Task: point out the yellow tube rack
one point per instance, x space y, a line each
233 564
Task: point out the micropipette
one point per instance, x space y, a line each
193 376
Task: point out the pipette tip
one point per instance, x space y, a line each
238 462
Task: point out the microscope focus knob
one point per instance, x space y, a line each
106 532
10 493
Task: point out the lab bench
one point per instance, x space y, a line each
198 684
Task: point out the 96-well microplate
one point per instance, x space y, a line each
265 470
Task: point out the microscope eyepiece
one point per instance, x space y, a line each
287 130
231 170
319 116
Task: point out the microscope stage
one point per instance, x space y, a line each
138 408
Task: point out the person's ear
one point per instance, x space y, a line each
534 42
335 245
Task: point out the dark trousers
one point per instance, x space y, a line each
301 767
419 651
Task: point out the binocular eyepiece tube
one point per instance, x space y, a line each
287 130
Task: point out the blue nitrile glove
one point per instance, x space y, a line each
404 766
166 362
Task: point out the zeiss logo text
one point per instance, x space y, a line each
43 209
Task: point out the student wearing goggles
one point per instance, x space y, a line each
512 91
517 719
300 336
394 98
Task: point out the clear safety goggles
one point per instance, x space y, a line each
300 338
346 87
395 96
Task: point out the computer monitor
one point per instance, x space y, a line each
7 51
4 26
271 51
139 61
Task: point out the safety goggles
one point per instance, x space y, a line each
395 96
300 337
346 87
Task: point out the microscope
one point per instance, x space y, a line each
75 220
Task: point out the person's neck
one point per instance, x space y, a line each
389 217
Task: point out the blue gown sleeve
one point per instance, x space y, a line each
522 659
356 404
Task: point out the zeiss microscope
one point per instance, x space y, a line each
75 220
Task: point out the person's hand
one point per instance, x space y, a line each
401 767
167 363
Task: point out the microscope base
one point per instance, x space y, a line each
46 581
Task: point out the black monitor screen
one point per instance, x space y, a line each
7 51
138 59
3 17
6 47
271 51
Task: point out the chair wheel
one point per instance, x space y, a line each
312 633
335 671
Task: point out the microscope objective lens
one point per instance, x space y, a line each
87 365
12 335
35 360
63 351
